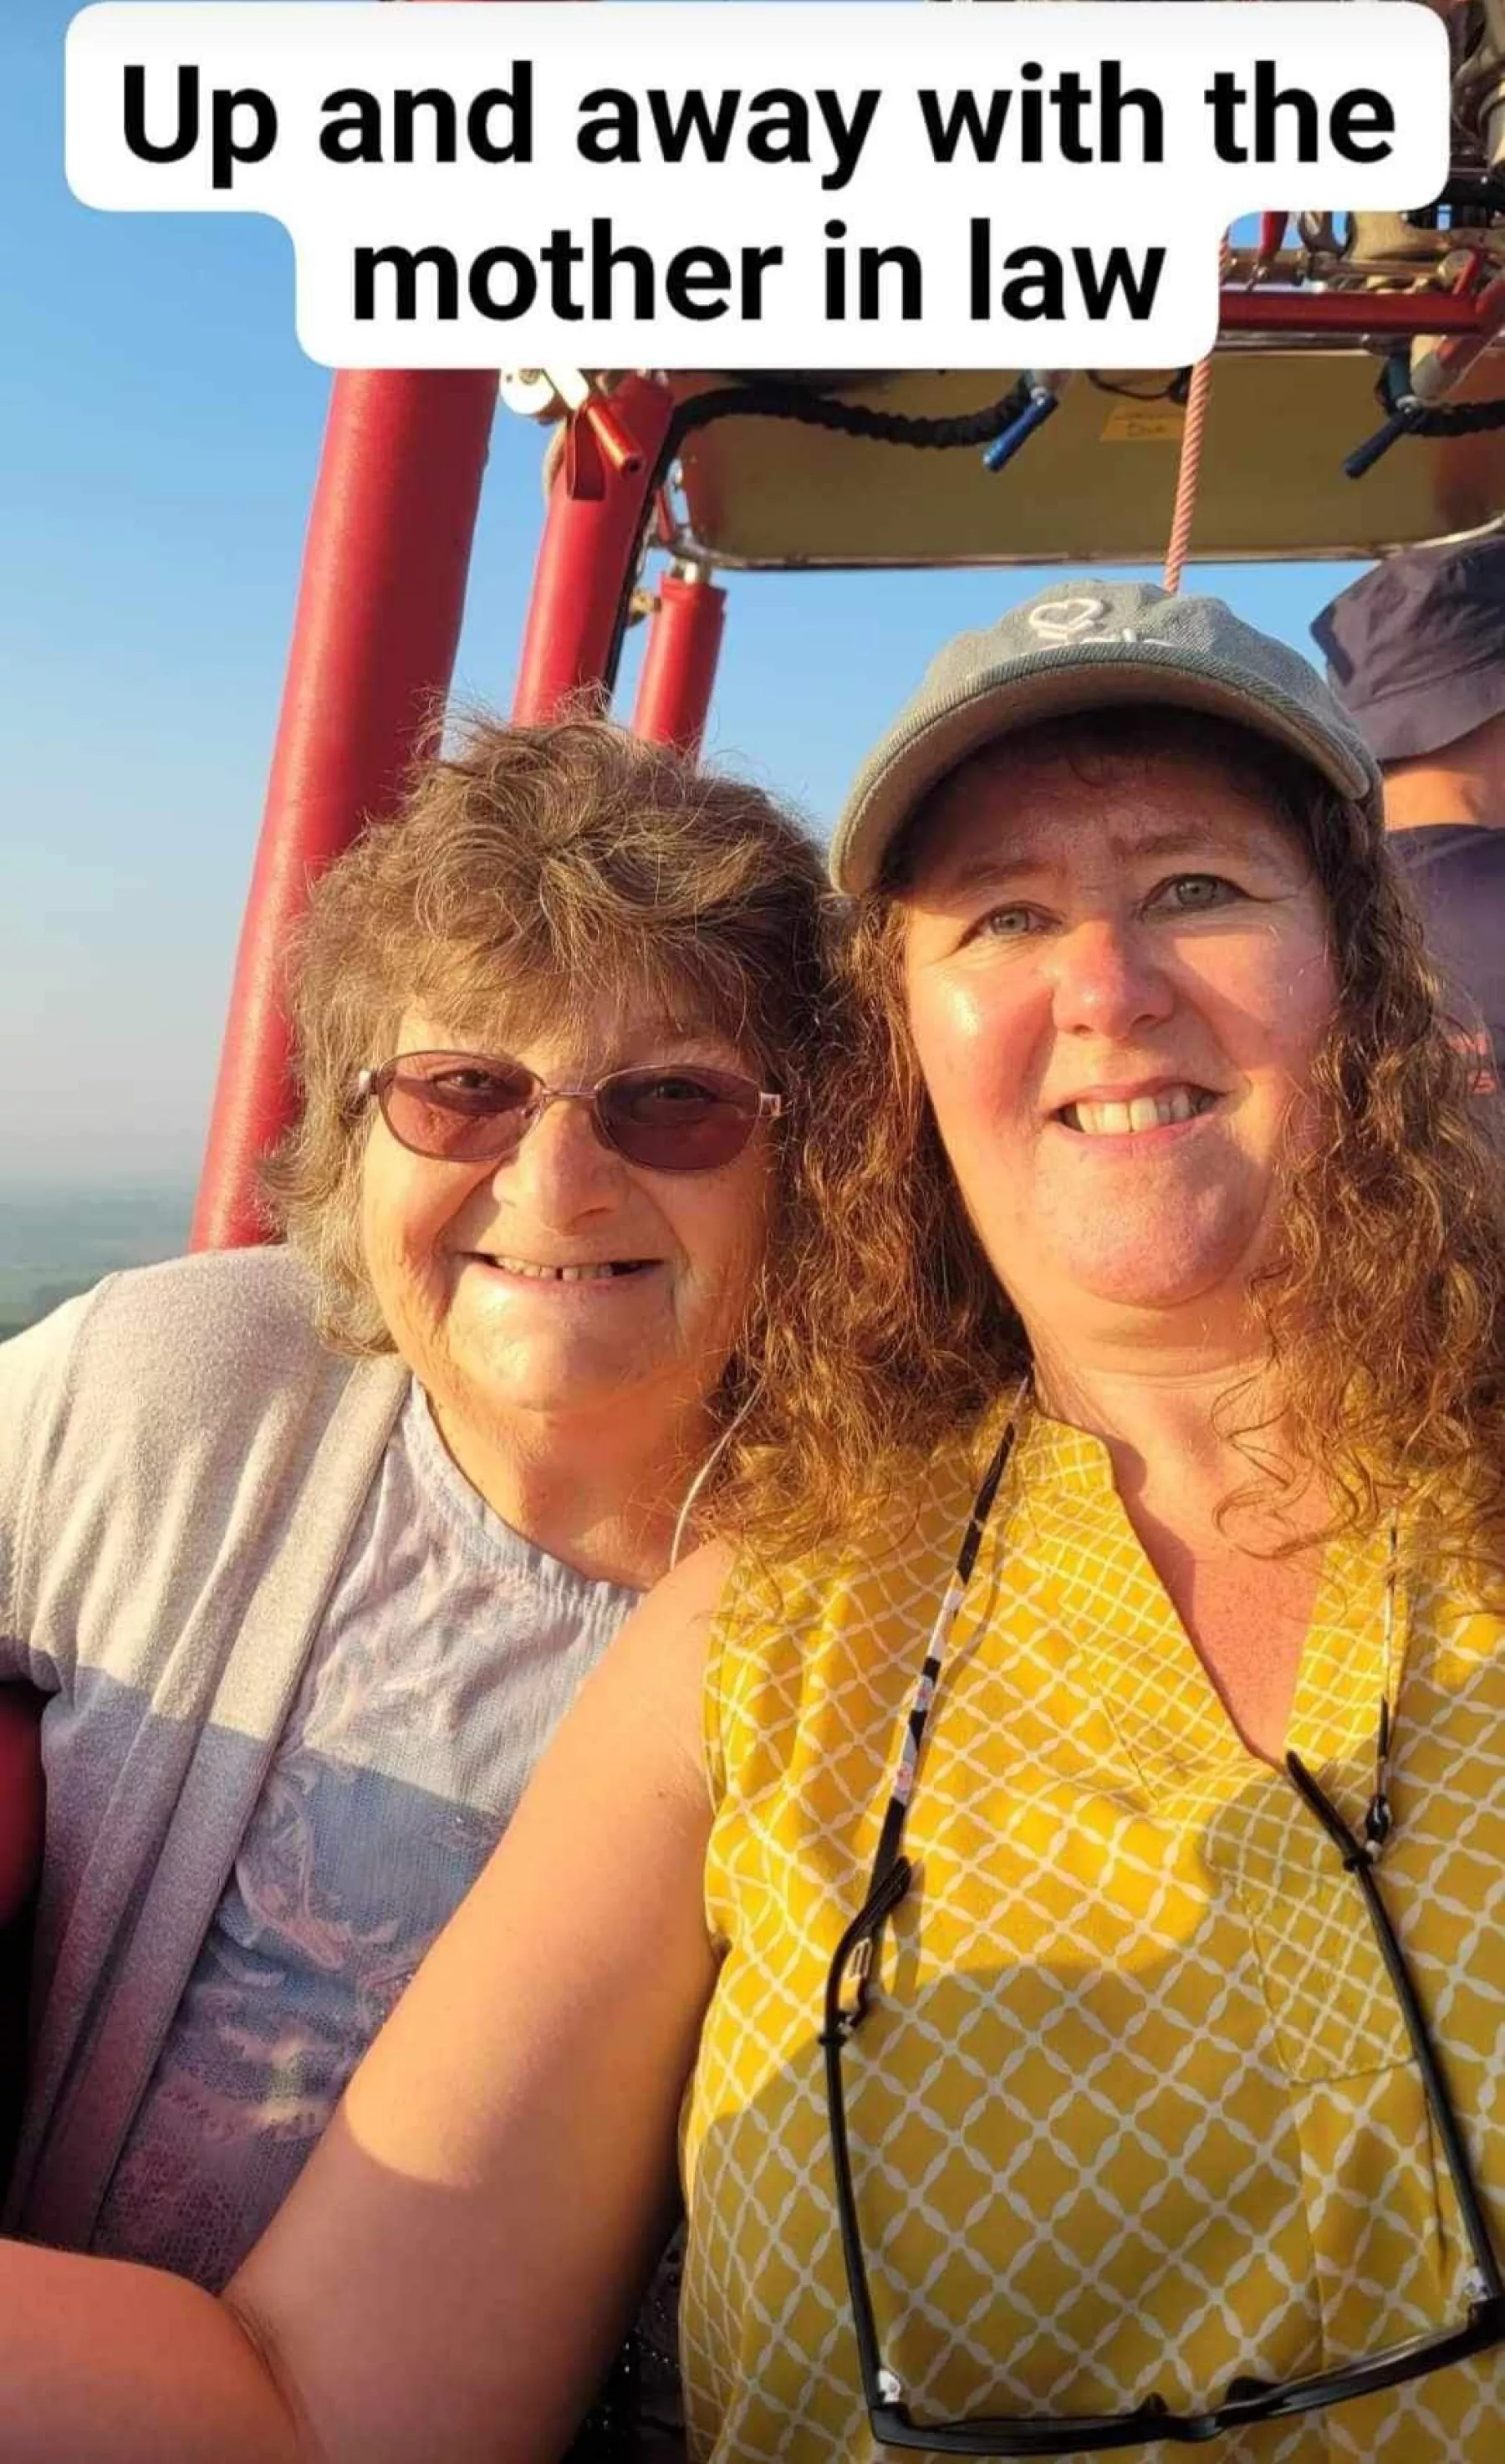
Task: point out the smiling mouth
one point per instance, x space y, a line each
1156 1112
602 1271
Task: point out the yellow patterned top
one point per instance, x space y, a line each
1135 2109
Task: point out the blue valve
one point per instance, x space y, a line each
1401 422
1405 414
1034 414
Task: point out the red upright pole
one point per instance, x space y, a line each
374 639
679 671
597 509
21 1815
373 645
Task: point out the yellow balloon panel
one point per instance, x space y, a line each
1096 483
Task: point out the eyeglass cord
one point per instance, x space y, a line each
1379 1818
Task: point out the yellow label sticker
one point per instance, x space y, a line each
1144 423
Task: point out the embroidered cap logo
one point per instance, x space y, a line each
1066 620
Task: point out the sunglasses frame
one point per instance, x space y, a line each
1248 2399
376 1082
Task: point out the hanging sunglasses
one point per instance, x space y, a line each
463 1108
852 1982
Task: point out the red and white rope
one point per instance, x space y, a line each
1190 467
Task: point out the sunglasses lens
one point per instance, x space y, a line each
451 1105
679 1120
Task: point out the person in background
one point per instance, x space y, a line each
1416 654
307 1547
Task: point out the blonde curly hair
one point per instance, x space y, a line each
1382 1305
529 872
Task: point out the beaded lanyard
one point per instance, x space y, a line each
1379 1818
892 1873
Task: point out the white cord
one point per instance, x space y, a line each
700 1478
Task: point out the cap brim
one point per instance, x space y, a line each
1414 720
1076 680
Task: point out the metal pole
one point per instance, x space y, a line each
20 1807
1346 314
598 506
378 620
678 673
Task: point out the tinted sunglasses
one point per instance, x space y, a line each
463 1108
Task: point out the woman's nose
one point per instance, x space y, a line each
1108 981
562 1169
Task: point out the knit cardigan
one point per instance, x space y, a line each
182 1466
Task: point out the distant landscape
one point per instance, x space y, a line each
57 1242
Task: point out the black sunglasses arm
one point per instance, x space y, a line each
858 1953
1361 1865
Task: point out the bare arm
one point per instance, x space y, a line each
453 2270
103 2363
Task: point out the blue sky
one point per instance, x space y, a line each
159 436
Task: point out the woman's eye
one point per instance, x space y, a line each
469 1082
674 1091
1006 923
1190 893
481 1088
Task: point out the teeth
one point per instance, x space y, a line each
600 1274
1142 1113
1105 1120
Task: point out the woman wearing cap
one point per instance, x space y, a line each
1075 2074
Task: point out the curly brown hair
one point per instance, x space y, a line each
528 872
1382 1308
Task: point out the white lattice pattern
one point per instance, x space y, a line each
1134 2110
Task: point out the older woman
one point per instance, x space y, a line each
1073 2073
309 1548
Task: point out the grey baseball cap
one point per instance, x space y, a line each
1082 645
1416 648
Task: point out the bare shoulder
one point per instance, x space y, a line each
649 1684
688 1599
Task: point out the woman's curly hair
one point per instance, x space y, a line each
1383 1304
528 874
